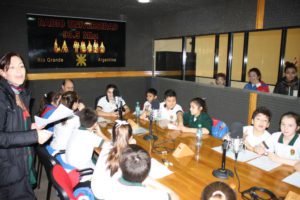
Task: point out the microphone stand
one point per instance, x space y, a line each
223 172
150 136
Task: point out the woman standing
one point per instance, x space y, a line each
16 135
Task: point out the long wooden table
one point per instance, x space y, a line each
192 174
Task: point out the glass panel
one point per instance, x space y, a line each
205 51
237 56
168 57
223 46
292 50
263 53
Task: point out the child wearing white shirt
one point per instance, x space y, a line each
284 147
257 133
170 110
81 145
151 95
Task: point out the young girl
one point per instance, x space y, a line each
196 116
254 135
63 130
107 105
107 167
255 82
284 146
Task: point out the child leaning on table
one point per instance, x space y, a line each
284 147
151 95
135 164
255 134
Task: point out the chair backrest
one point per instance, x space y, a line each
64 183
219 128
46 159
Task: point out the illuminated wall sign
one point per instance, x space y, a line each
63 42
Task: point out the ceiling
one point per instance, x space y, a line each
117 7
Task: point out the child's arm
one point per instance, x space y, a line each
98 132
193 130
281 160
101 113
179 118
127 110
152 183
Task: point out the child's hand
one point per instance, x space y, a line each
259 150
274 157
81 106
43 136
35 126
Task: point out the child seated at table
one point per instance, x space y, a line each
284 147
135 165
196 116
81 145
107 105
107 166
151 95
63 130
256 133
169 109
218 191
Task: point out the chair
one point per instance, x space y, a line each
48 161
64 183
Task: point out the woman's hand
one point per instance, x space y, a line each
43 136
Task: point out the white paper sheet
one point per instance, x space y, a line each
158 170
60 112
264 163
293 179
243 156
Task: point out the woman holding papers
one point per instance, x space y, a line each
16 134
284 147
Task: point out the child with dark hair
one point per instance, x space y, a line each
63 130
289 84
169 109
151 95
218 191
284 147
255 82
256 133
197 116
220 79
81 145
108 104
135 164
107 166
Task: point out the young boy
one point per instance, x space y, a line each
81 145
220 79
151 95
135 165
169 109
257 133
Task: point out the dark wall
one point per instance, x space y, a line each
214 16
13 33
279 13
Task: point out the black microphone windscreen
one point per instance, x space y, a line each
155 104
236 130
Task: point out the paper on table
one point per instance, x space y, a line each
264 163
60 112
243 156
158 170
293 179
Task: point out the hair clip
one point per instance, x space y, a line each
120 123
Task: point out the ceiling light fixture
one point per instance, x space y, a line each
144 1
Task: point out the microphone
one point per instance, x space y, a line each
150 136
236 134
155 108
223 172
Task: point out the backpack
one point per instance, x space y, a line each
219 128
